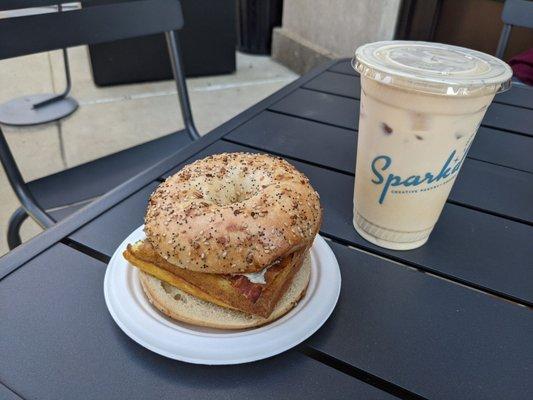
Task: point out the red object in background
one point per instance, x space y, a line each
522 65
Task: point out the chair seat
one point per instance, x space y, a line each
93 179
63 212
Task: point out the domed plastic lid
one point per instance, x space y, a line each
433 68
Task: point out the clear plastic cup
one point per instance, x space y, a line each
421 106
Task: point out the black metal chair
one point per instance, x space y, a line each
515 13
56 196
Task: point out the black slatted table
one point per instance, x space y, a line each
451 319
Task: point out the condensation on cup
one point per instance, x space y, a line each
421 106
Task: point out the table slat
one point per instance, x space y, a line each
503 148
496 189
466 245
59 341
321 107
343 67
343 85
509 118
518 95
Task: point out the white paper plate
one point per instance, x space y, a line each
143 323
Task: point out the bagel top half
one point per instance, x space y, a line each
232 213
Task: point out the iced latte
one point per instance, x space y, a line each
421 106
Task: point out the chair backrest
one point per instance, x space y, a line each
515 13
89 25
518 13
98 23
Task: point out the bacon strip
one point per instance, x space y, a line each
248 289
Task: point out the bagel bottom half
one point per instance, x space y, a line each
184 307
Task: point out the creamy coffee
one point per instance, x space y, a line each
421 106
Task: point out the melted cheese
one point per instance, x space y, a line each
257 277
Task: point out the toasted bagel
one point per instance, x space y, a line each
232 213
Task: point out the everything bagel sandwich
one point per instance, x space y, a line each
227 241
